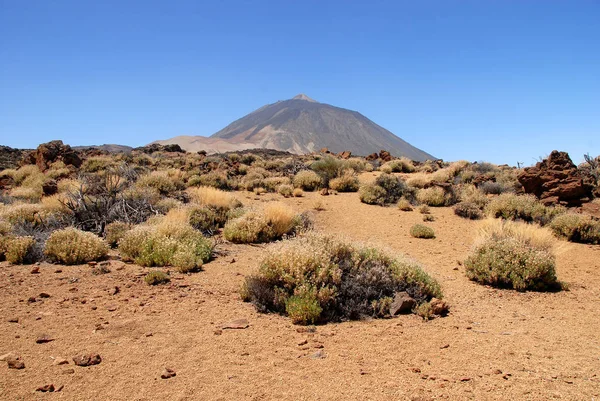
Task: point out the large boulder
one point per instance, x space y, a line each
48 153
556 180
156 147
10 157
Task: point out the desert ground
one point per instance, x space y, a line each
495 344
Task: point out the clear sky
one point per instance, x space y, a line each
502 81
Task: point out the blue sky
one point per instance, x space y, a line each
502 81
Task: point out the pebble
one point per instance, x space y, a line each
168 373
48 388
43 338
13 320
60 361
236 324
87 359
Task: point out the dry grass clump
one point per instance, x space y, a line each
216 179
272 183
271 223
404 205
433 196
18 250
97 164
402 165
20 213
470 194
348 182
576 228
307 180
468 210
165 182
298 193
254 178
514 255
522 207
319 278
208 196
72 246
167 243
372 194
421 231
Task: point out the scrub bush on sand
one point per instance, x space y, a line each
513 255
318 278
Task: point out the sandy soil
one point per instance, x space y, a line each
495 344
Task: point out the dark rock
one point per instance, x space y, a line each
372 156
155 147
87 359
48 153
402 303
168 373
15 363
43 338
385 156
44 295
13 320
556 180
9 158
345 154
50 187
324 192
48 388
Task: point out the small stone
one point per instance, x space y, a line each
303 342
68 371
232 260
60 361
496 372
236 324
58 271
402 303
43 338
92 263
320 354
149 334
93 307
59 388
306 329
111 308
168 373
44 295
31 300
114 291
87 359
218 332
445 346
48 388
15 363
415 370
319 346
439 307
35 270
465 379
13 320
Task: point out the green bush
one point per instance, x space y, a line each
328 168
394 188
19 250
272 223
372 194
576 228
421 231
72 246
318 278
307 180
513 255
433 196
285 190
113 232
345 183
156 277
166 244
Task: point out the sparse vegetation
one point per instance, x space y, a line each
156 277
468 210
307 180
72 246
421 231
576 228
513 255
522 207
319 279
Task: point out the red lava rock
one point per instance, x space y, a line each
236 324
87 359
35 270
168 373
415 370
48 388
439 307
43 338
13 320
465 379
60 361
44 295
445 346
114 291
232 260
402 303
303 342
556 180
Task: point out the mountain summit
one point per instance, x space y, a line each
302 125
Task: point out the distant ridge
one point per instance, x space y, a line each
302 125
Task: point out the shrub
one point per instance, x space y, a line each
156 277
470 194
298 193
328 168
576 228
20 250
162 181
307 180
216 179
404 205
428 217
421 231
402 165
285 190
436 196
372 194
115 231
272 223
168 243
394 187
492 188
318 278
72 246
468 210
513 255
208 196
522 207
424 209
272 183
345 183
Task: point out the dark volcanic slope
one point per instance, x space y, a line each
301 125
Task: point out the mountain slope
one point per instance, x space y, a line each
302 125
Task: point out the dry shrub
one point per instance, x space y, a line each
298 193
216 179
386 189
319 278
576 228
19 250
421 231
97 164
307 180
207 196
404 205
468 210
269 224
115 231
165 182
372 194
167 243
72 246
402 165
272 183
514 255
254 178
470 194
286 190
522 207
348 182
156 277
433 196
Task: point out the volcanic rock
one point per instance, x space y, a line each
402 303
